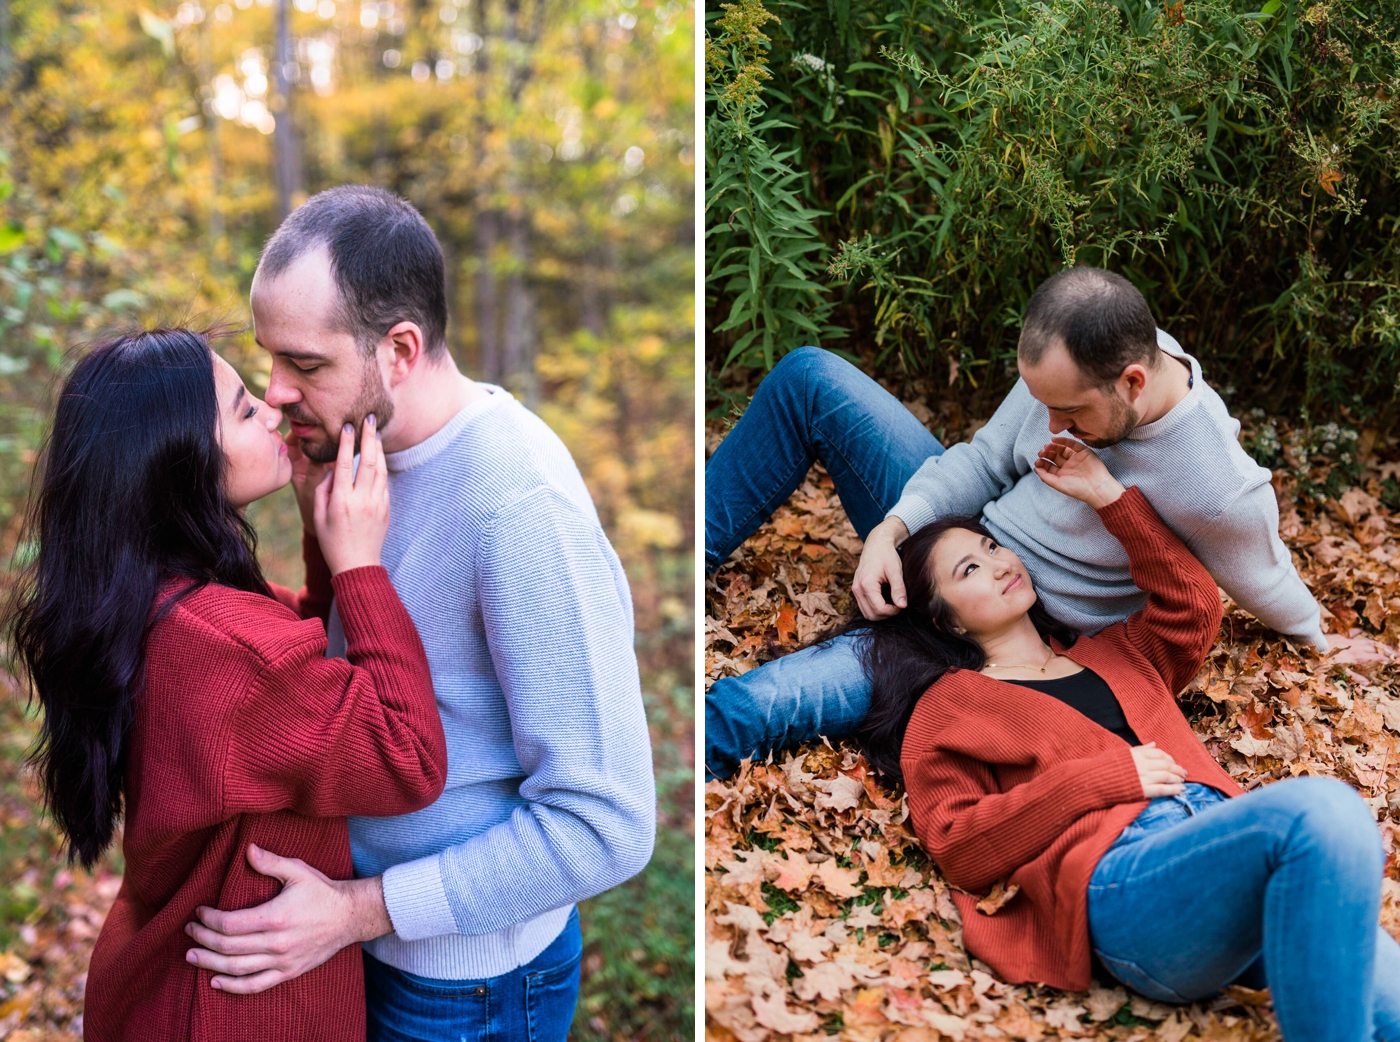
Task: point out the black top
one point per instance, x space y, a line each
1091 695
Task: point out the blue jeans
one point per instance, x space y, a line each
534 1003
1200 889
812 406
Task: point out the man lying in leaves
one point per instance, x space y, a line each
1093 364
1024 759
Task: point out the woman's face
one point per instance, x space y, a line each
255 456
984 583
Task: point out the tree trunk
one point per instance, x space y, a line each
286 148
487 342
520 311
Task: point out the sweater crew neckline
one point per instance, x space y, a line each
1168 345
425 450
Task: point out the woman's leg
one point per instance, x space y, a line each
1292 869
1387 988
812 406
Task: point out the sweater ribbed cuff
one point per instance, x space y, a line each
914 511
366 599
416 899
1114 779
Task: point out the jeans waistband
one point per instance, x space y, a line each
1165 811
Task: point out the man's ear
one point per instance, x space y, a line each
402 350
1133 381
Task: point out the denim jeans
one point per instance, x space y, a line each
534 1003
1200 888
812 406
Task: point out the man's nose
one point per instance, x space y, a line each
1059 423
280 392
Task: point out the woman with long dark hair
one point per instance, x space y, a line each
1065 767
183 690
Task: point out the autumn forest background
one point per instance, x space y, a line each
147 150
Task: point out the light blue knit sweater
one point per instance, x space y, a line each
1188 463
495 547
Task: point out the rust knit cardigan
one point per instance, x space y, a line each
1008 783
245 733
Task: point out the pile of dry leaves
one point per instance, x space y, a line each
824 918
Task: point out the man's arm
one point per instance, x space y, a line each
958 483
558 620
1244 554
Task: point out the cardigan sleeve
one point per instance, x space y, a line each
979 835
1182 615
330 737
312 601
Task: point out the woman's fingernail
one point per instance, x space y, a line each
349 428
191 957
215 984
371 419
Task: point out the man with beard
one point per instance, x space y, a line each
1093 365
465 909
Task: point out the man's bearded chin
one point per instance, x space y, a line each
372 399
1122 421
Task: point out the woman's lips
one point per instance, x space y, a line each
1015 582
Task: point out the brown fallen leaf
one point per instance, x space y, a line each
998 897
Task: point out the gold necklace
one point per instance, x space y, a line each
1039 669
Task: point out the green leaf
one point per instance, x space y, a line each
11 238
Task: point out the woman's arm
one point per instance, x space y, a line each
978 835
329 737
1182 615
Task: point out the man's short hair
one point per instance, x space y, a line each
1100 316
385 260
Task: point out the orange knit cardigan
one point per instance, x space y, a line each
1008 783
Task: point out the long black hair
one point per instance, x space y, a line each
131 496
906 653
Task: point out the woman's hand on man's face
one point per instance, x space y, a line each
1073 468
351 511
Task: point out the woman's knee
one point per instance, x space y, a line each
1332 815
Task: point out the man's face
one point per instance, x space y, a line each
1097 416
321 378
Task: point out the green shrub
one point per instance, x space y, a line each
942 158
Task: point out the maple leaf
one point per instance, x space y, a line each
842 793
770 1010
998 897
839 882
1248 745
825 980
1065 1017
946 979
863 917
788 873
805 948
1105 1002
1328 179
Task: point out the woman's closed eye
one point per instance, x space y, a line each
251 411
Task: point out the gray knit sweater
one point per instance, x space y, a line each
525 614
1190 466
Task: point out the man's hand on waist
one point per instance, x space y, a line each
309 921
880 563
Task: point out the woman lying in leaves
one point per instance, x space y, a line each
180 686
1065 768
